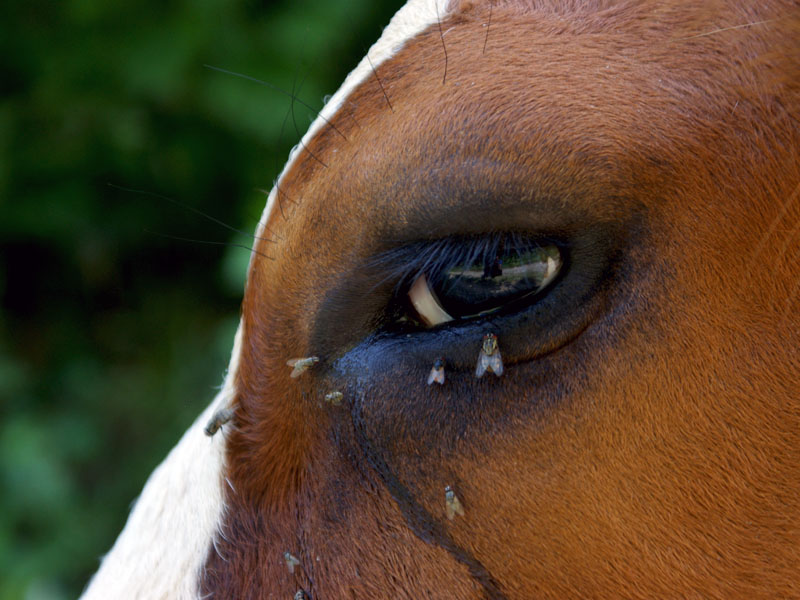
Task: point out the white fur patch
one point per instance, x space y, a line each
164 545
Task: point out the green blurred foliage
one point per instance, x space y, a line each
114 336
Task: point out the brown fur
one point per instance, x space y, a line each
644 442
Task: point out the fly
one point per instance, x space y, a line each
301 365
452 504
489 358
437 372
220 417
291 561
335 398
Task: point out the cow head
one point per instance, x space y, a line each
639 164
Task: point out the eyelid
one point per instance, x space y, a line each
426 305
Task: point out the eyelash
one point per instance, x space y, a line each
432 259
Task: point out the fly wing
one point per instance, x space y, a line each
436 375
432 376
484 362
457 507
453 507
292 362
496 363
291 561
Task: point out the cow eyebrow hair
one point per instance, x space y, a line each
208 242
723 29
277 89
191 209
488 25
441 37
378 79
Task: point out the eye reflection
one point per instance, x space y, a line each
491 278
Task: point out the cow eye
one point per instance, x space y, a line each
484 277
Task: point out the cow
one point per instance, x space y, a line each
521 321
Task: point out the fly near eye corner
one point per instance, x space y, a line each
437 372
453 505
301 365
489 358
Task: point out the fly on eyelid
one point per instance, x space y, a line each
437 372
489 358
301 365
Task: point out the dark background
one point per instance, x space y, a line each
114 336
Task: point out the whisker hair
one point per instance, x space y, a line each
378 79
441 36
207 242
285 119
302 143
488 25
277 197
191 209
278 89
723 29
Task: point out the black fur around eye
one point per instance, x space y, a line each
559 280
